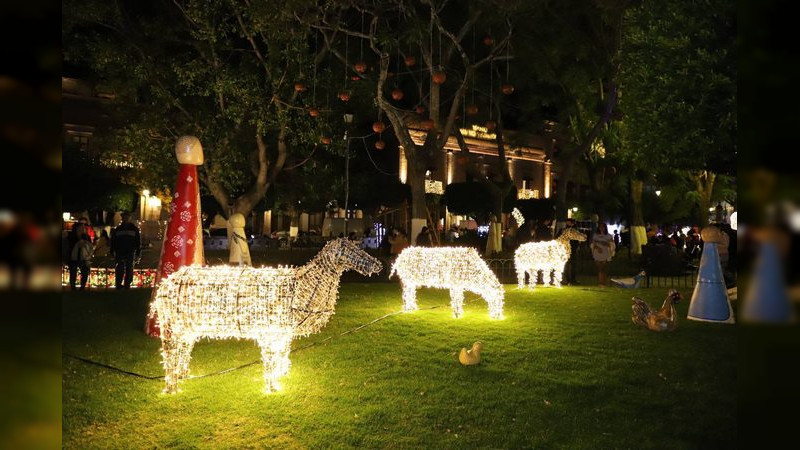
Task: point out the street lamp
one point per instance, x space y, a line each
658 193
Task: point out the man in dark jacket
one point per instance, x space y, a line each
126 245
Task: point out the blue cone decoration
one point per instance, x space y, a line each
767 300
710 301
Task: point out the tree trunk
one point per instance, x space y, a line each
416 180
638 233
564 177
705 186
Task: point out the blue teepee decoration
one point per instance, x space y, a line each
767 299
710 301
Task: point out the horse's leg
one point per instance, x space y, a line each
457 302
409 298
557 274
183 356
275 358
169 354
520 277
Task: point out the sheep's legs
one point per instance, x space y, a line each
176 354
275 358
409 298
457 302
520 278
557 276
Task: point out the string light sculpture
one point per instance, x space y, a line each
269 305
545 256
105 277
458 269
518 217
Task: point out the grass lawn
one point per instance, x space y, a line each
566 368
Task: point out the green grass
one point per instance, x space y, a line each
566 368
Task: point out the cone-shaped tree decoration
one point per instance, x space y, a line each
183 239
767 300
710 301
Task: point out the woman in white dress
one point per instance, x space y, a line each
602 251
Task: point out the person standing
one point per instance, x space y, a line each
602 252
424 238
81 257
570 276
126 245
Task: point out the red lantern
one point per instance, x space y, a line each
299 87
439 77
360 67
488 41
378 127
462 160
380 145
507 89
410 61
491 125
325 140
344 96
472 110
397 94
428 124
313 112
420 109
355 78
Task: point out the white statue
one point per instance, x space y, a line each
237 242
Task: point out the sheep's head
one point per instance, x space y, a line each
350 257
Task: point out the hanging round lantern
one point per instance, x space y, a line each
344 96
355 78
299 87
325 140
491 125
488 41
410 61
420 109
428 124
380 145
462 160
378 127
472 110
313 112
507 89
360 67
439 77
397 94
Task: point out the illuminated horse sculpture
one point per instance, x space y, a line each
547 256
270 305
458 269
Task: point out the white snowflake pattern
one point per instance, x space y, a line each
177 241
177 194
177 253
186 216
169 268
190 241
187 204
189 178
181 229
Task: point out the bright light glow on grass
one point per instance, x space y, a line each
458 269
547 256
268 305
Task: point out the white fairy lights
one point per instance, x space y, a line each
458 269
518 217
269 305
547 256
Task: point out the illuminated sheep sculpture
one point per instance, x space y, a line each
270 305
458 269
547 256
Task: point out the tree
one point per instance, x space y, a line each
395 30
241 76
679 80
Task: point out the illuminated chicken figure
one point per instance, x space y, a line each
664 319
472 356
270 305
458 269
545 256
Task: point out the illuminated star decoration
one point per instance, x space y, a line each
545 256
269 305
458 269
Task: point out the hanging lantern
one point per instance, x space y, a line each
472 110
439 77
380 145
325 140
420 109
355 78
378 127
507 89
299 87
397 94
410 61
360 67
491 125
428 124
313 112
488 41
344 96
462 160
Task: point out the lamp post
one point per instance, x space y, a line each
348 119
